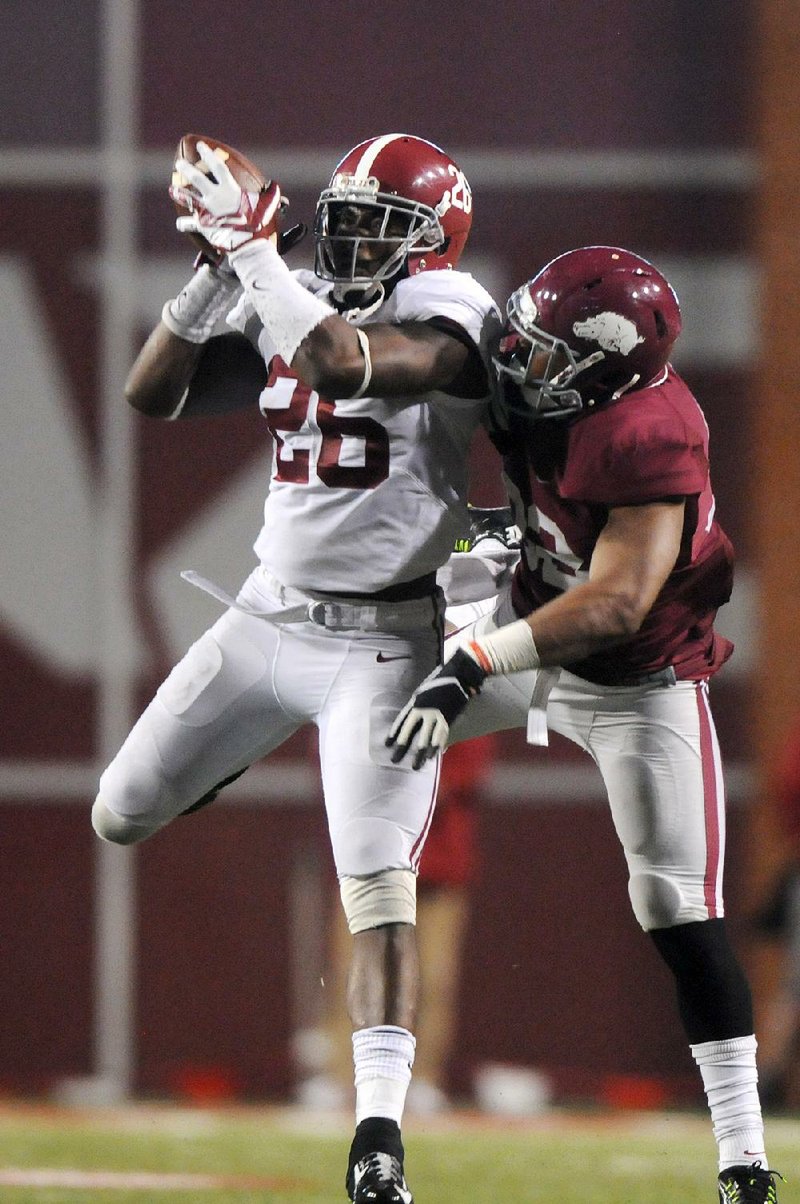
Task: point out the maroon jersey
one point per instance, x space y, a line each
563 478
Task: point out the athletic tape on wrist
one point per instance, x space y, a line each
510 649
193 315
288 311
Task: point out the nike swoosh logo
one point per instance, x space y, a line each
383 660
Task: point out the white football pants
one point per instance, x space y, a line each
249 682
656 749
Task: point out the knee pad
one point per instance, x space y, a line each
119 829
657 901
389 897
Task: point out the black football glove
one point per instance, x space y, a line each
291 237
427 717
490 522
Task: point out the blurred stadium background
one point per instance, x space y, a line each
187 965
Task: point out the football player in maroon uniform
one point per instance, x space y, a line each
606 634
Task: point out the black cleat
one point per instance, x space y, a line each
748 1185
378 1179
375 1166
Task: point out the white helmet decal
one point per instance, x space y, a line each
611 331
527 306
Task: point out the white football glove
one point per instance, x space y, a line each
222 211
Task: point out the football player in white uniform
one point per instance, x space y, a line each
372 373
606 633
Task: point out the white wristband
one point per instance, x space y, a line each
288 311
364 343
200 305
510 649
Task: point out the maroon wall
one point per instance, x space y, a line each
558 974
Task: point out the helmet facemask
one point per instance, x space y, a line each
536 369
363 236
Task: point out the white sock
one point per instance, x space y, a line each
730 1077
383 1057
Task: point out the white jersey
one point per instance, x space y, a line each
370 492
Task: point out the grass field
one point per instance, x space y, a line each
167 1155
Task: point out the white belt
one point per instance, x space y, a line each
332 613
537 708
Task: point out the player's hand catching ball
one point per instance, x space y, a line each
220 209
425 721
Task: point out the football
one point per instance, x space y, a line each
243 171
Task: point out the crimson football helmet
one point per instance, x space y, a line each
593 324
394 204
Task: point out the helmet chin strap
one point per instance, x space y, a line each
371 296
625 388
568 374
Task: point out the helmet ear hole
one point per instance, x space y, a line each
661 325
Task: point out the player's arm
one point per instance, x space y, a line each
405 360
332 357
340 360
172 378
327 353
633 557
160 377
161 373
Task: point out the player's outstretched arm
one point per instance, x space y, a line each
159 381
634 554
405 360
340 360
164 368
633 557
161 373
328 353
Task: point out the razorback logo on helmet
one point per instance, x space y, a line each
611 331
